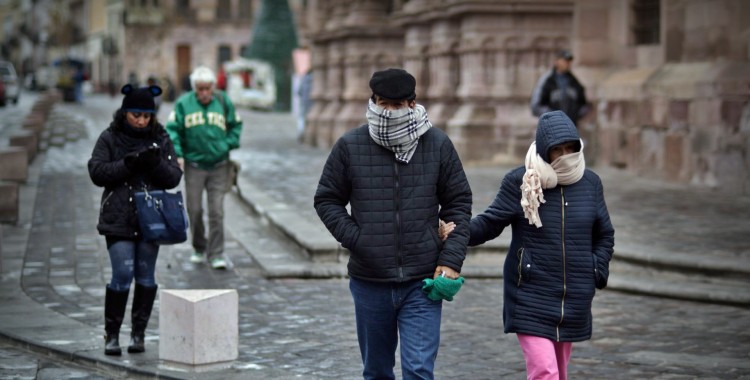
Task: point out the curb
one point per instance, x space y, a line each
21 316
487 260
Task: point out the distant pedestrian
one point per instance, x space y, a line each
221 79
305 102
185 83
204 127
562 244
134 153
133 79
399 176
79 76
559 89
152 81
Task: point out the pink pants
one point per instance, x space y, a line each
545 359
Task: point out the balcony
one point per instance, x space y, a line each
144 16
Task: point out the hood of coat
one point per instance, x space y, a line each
554 128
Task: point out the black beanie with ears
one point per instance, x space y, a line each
139 99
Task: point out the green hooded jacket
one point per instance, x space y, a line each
204 135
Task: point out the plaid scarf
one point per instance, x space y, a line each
397 130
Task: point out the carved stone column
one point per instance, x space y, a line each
361 41
332 95
416 62
318 95
471 127
444 68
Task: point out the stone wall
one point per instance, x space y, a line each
678 110
686 117
475 62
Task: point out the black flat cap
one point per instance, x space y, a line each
396 84
565 54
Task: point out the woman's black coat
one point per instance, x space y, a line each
117 217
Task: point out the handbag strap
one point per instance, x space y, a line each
160 208
146 195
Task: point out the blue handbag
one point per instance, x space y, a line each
161 216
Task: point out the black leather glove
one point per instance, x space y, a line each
149 158
131 161
143 160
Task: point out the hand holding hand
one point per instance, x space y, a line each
449 272
445 229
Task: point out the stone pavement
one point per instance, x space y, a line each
54 268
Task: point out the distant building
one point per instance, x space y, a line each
669 79
165 39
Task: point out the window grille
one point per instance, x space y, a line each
646 22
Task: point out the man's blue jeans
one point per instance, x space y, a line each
132 259
387 311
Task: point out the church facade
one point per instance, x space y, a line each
668 80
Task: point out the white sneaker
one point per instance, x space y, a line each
197 258
218 263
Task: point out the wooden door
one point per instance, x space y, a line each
183 67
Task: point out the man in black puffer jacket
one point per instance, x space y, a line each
400 176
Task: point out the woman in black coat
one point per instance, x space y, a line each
134 153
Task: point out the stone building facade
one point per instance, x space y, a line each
170 38
669 80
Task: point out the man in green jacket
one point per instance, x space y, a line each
204 127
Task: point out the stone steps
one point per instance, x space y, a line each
633 270
633 277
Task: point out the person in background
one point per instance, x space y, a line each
204 127
305 102
134 153
151 81
221 80
133 79
79 76
559 89
399 176
562 243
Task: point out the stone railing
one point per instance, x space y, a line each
23 146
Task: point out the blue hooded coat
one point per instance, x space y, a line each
551 273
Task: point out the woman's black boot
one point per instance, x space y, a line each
143 303
115 303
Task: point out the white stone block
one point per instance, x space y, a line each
198 327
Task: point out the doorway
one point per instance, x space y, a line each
183 67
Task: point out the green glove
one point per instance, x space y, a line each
442 288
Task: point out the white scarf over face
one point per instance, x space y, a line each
565 170
397 130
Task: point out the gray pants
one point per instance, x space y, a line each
214 181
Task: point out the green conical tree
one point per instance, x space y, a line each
274 38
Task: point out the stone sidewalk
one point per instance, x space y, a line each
54 267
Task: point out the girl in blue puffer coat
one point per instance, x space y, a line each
560 249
